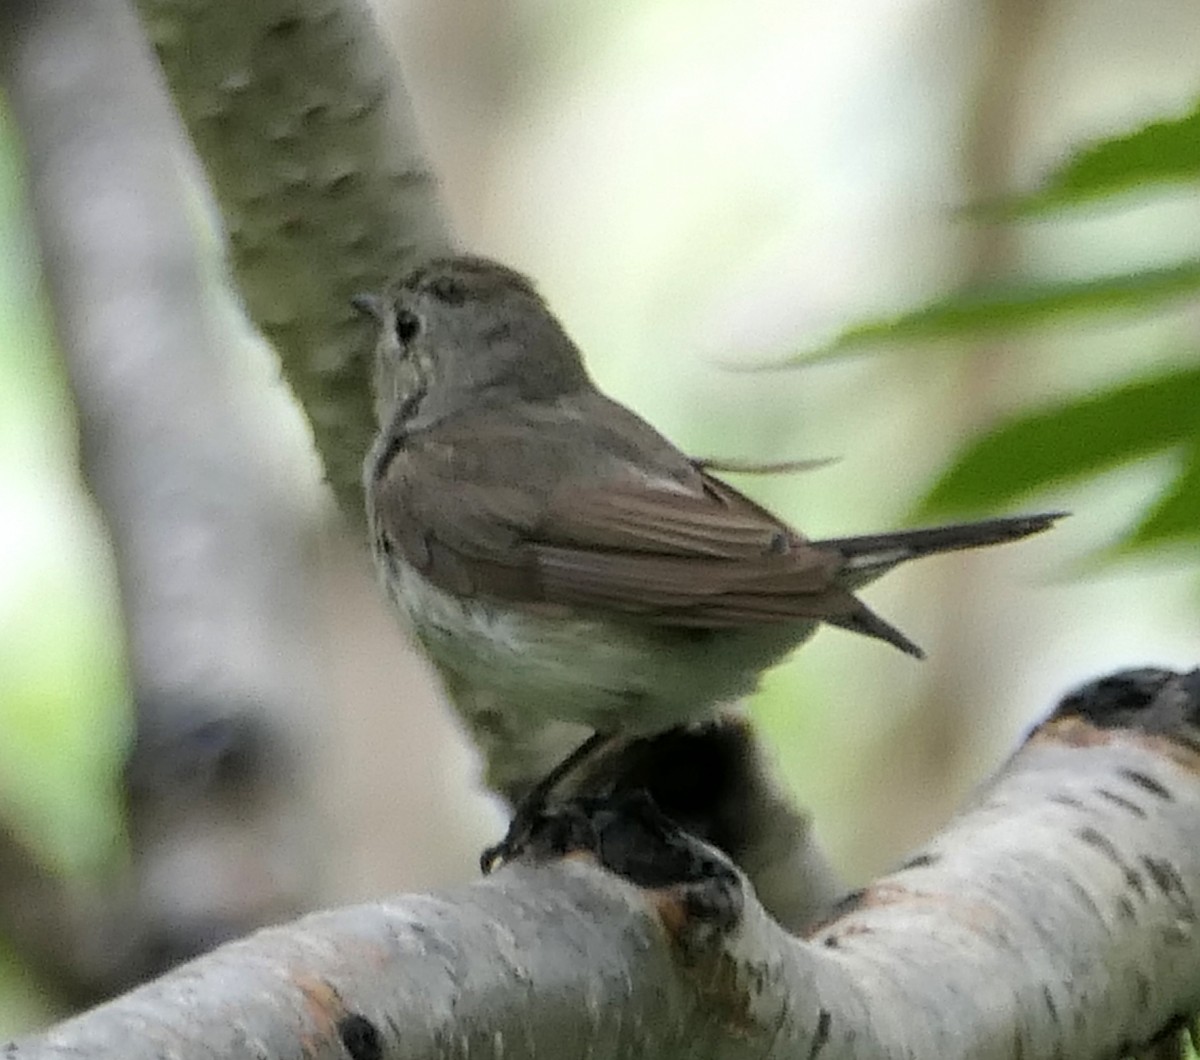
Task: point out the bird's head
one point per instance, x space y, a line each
458 332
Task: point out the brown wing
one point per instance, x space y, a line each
706 557
671 545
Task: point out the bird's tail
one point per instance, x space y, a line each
867 557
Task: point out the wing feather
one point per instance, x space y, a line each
666 542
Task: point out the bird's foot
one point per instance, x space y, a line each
521 829
629 835
532 810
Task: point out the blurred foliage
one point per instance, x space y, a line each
63 699
1009 307
1074 439
1159 153
1077 437
24 1003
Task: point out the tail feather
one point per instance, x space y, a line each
866 558
863 620
871 555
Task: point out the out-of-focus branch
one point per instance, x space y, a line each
1056 916
301 120
207 539
938 749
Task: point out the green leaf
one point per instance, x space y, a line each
1176 515
1071 440
1005 308
1162 152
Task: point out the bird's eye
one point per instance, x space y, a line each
408 325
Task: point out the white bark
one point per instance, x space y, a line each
1056 916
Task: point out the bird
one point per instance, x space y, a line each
552 551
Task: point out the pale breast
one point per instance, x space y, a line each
609 674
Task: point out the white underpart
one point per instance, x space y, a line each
610 675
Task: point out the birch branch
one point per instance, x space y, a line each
308 138
1056 916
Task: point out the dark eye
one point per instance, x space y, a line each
408 325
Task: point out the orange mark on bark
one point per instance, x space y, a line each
726 986
669 904
1077 732
977 916
1074 732
324 1007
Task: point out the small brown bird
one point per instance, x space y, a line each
547 544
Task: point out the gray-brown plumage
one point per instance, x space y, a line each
547 543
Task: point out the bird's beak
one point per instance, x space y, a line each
369 305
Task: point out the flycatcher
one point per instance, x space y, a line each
547 544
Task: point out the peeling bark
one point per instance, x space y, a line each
1055 916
